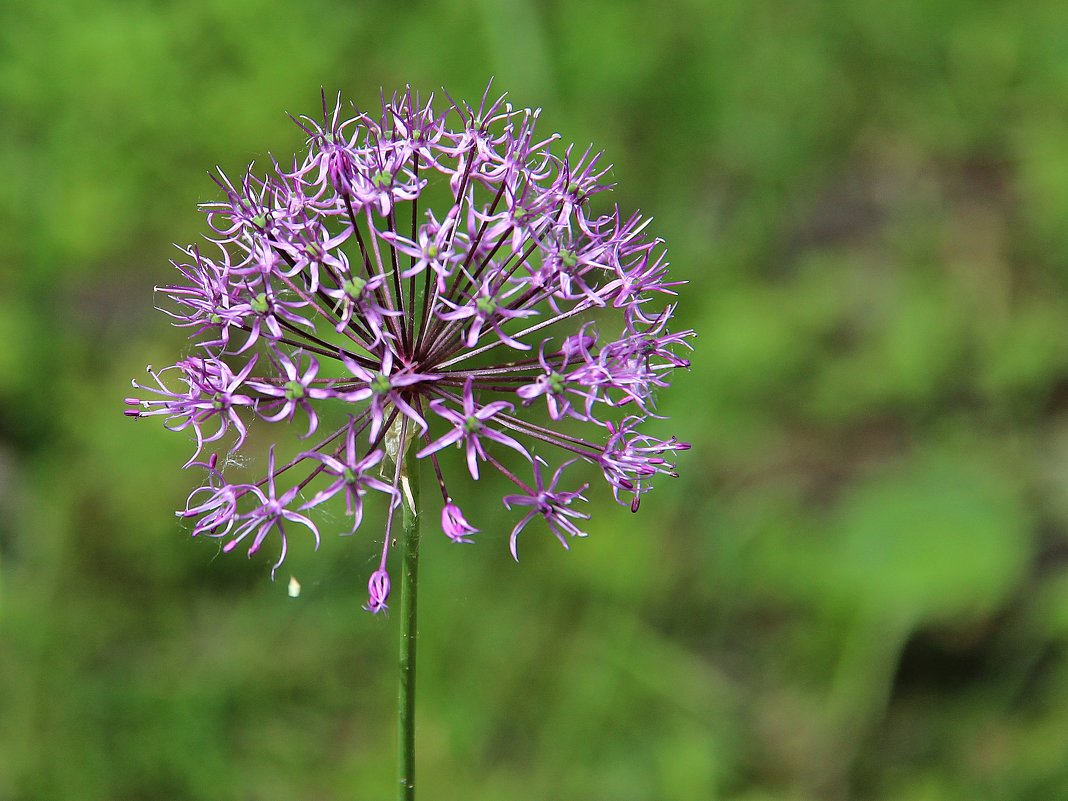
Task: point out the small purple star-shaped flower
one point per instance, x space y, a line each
552 504
469 426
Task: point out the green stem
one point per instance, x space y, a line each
408 636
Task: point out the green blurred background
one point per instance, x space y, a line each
857 590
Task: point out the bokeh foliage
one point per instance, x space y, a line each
857 589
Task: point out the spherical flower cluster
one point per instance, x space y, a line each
421 279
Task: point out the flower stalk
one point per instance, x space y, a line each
409 636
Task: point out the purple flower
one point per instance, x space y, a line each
469 427
486 307
377 591
215 503
337 290
630 459
559 383
267 516
353 476
210 396
297 392
358 301
386 388
552 504
454 524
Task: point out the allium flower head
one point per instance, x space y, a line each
420 279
